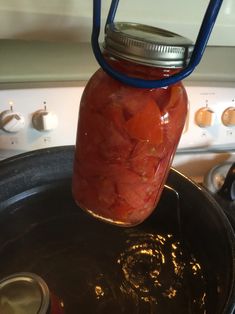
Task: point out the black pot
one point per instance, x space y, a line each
180 260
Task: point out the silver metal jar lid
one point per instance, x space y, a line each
23 293
147 45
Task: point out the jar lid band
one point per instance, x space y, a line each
147 45
199 48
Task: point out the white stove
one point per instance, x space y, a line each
34 118
209 134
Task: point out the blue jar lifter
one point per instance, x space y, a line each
199 47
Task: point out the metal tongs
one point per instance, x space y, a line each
199 47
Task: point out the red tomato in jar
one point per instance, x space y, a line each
125 142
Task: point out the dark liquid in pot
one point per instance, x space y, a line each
161 277
99 268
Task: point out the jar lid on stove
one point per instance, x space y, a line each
24 293
147 45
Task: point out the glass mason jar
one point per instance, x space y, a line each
27 293
127 136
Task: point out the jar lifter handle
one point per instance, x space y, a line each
199 48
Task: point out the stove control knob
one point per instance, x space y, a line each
11 121
204 117
228 116
44 120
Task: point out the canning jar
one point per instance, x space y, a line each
27 293
127 136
